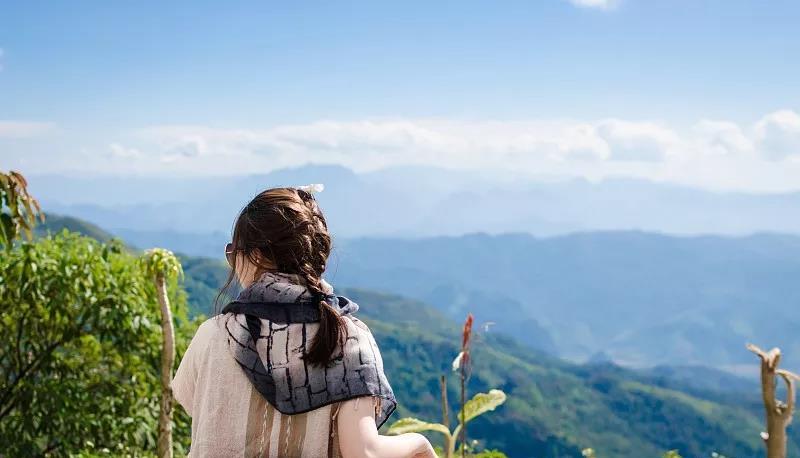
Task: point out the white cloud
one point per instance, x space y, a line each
23 129
596 4
119 151
778 135
719 154
637 141
375 143
722 138
371 144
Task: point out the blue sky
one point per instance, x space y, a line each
230 87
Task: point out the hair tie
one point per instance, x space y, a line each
312 188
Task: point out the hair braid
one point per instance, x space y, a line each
284 229
331 327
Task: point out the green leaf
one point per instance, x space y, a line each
482 403
7 229
413 425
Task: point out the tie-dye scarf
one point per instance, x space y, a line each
270 327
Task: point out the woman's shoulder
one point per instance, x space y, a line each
209 329
358 323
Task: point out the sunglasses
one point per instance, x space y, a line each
230 254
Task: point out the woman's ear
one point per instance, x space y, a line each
246 271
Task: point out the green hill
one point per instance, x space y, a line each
554 408
203 276
55 223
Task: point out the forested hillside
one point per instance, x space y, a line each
554 408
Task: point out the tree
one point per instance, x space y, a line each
79 351
778 413
160 265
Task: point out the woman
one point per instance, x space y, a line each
286 370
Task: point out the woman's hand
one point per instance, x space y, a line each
359 438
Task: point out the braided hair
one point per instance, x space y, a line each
284 229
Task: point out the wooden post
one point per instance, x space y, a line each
778 413
167 361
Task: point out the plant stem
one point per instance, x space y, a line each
463 423
445 407
448 440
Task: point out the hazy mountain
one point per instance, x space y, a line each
417 202
55 223
638 299
641 299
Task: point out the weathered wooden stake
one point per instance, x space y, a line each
778 413
162 265
167 361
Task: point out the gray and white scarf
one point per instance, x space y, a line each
270 327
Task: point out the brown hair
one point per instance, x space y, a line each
284 229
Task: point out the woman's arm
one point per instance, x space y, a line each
359 438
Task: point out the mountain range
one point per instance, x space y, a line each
637 299
641 299
412 202
555 408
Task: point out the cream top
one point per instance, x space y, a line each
231 419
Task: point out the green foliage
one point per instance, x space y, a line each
482 403
490 454
413 425
161 262
120 451
203 278
589 453
18 210
478 405
80 351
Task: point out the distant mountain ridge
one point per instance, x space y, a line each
55 223
419 202
639 299
642 299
